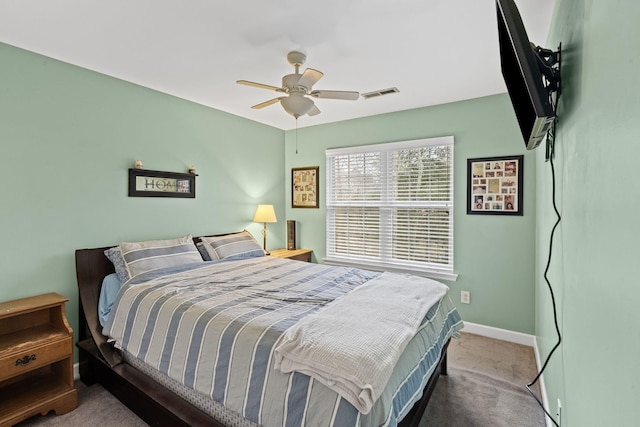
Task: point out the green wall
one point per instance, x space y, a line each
67 139
595 266
494 255
68 136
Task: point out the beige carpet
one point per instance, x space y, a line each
484 388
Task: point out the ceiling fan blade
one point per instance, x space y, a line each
259 85
267 103
309 78
314 111
335 94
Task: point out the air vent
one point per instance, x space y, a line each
380 92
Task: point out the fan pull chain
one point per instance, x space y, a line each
296 135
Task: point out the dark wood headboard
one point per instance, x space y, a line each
91 267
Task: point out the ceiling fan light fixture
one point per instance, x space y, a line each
296 104
297 86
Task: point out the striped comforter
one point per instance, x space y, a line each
214 328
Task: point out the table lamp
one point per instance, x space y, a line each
265 214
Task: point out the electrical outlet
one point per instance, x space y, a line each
465 297
559 412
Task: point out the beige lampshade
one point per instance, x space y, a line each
265 213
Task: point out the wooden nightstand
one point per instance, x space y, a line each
297 254
36 358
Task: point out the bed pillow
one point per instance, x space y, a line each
233 246
108 292
115 256
140 257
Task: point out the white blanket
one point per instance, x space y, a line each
353 344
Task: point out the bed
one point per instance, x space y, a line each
160 398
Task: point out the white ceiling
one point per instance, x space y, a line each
433 51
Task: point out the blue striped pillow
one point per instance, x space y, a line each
234 246
141 257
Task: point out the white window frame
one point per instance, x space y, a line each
384 262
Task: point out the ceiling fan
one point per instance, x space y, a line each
298 88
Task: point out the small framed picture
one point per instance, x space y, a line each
305 186
494 185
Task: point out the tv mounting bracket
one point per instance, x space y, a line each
549 65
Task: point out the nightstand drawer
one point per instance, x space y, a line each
35 357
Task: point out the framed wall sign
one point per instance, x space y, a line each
494 185
148 183
305 187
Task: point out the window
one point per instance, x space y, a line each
391 206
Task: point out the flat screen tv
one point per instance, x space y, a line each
523 76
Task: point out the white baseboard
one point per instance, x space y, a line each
500 334
76 371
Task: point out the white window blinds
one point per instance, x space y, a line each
392 205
